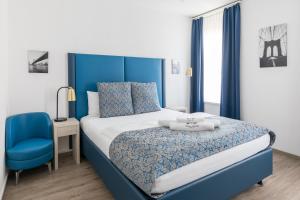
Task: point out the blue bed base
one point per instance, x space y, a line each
220 185
85 70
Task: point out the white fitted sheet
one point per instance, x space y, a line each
102 132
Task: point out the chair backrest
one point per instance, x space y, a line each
25 126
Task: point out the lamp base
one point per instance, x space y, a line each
60 119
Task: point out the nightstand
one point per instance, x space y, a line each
177 108
67 128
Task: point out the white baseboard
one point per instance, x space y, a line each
3 186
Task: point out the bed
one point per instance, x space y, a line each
236 170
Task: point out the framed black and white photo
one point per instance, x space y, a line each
273 46
37 61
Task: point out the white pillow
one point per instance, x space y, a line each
93 104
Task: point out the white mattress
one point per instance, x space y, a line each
102 132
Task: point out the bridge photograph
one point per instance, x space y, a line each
273 46
37 61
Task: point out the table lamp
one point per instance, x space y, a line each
71 97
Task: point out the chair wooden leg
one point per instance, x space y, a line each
17 173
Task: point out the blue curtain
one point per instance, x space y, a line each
197 103
230 89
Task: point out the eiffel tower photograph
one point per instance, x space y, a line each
273 46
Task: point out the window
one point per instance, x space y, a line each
212 44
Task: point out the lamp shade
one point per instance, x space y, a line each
71 94
189 72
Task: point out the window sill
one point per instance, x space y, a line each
212 103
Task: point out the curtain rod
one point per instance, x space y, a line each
220 7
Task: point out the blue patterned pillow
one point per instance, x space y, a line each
115 99
144 97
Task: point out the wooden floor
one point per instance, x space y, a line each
76 182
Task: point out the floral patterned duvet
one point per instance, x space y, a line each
144 155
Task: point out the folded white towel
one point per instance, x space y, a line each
189 119
206 124
216 122
165 123
200 126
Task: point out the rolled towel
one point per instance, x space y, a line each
216 122
189 119
165 123
200 126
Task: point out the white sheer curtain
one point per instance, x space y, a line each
212 43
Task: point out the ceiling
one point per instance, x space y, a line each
183 7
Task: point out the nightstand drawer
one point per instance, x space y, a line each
67 130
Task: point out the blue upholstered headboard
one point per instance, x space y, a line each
86 70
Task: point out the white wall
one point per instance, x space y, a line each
271 97
112 27
3 89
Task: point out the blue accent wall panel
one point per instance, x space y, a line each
90 69
71 80
145 70
86 70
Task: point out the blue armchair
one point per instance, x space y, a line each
28 141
